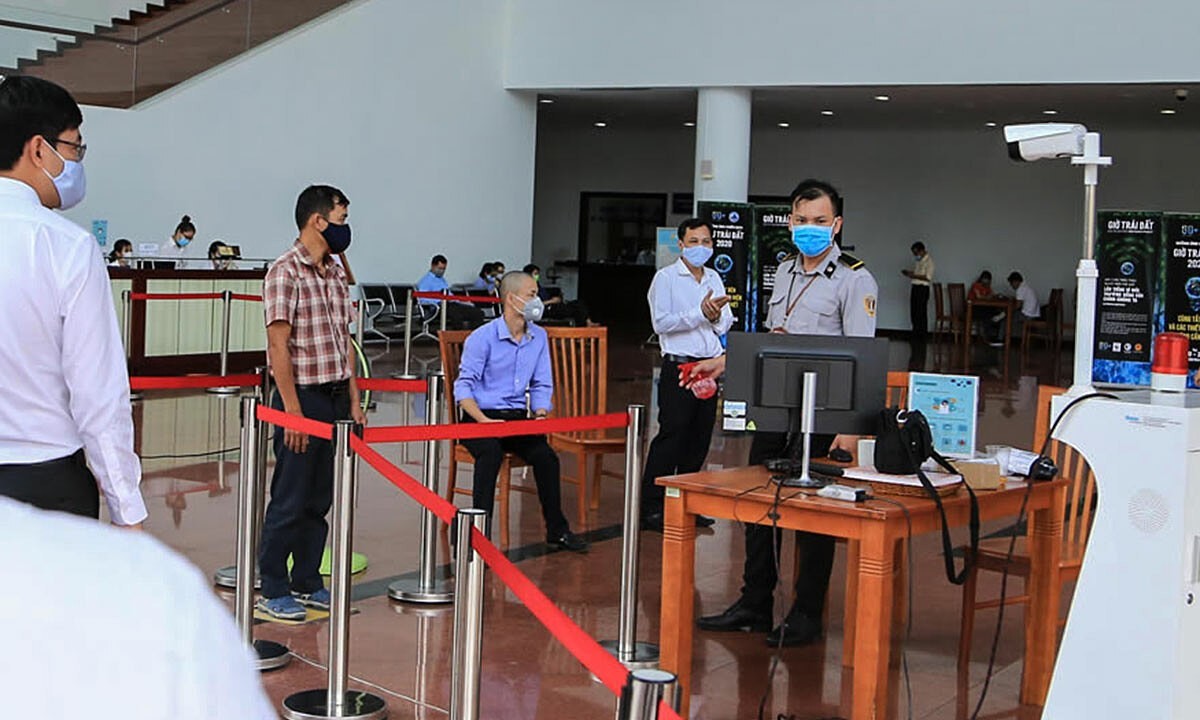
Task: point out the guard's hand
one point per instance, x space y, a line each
849 443
711 368
295 440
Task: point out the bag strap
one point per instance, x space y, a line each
956 578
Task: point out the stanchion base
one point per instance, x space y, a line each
226 577
271 655
645 655
311 705
222 390
398 375
410 591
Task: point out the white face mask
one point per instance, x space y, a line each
71 183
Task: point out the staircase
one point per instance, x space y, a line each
152 48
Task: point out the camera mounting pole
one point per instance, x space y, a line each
1086 275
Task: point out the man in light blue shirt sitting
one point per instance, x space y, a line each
458 315
500 362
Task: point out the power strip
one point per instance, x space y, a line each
843 492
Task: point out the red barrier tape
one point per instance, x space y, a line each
394 385
437 504
249 298
174 296
512 428
458 298
317 429
194 381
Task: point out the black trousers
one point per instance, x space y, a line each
919 308
64 485
301 494
685 426
759 575
533 449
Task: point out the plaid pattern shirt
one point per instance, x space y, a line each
317 306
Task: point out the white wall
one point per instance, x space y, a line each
694 43
400 104
957 191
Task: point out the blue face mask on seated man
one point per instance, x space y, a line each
697 255
812 240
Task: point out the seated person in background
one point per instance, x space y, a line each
458 315
219 261
500 361
1027 308
486 282
178 250
981 289
556 307
498 270
121 252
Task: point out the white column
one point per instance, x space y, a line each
722 144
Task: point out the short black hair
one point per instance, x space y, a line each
499 263
438 260
986 274
530 269
29 107
692 224
318 200
487 269
812 189
1015 276
918 245
212 247
185 225
118 246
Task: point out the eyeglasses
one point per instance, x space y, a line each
80 148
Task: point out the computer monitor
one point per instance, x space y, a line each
764 379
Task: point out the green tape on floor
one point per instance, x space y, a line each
358 562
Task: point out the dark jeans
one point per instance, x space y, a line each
64 485
533 449
759 575
685 426
919 308
301 494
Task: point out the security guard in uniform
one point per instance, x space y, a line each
819 291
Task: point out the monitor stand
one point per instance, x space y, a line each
807 411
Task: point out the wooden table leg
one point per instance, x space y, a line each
848 626
1007 336
873 615
678 589
966 344
1041 621
900 588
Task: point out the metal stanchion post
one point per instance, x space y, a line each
127 333
626 648
408 321
271 655
362 321
427 588
443 320
227 577
468 617
335 700
226 308
645 689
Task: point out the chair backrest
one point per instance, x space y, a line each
1081 494
579 363
450 343
897 388
383 293
939 301
958 300
1054 314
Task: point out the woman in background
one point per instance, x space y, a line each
119 257
981 289
184 233
486 282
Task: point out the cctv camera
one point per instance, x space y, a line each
1181 94
1039 141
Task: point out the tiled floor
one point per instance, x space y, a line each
403 653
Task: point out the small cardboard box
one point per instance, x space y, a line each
981 473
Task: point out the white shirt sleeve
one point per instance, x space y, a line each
93 364
662 316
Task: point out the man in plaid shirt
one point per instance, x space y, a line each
307 306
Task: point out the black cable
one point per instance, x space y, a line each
911 596
1012 547
191 455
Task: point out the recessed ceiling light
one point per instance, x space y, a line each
785 125
546 101
827 113
600 124
1166 111
1049 112
883 98
689 123
990 124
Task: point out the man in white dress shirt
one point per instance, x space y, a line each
690 312
64 403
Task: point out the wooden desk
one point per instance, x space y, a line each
874 529
1008 305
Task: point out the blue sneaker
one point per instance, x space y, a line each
282 608
318 600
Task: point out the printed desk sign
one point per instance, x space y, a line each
949 403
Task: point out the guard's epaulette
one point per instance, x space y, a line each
850 261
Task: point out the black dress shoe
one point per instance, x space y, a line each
739 618
654 522
797 629
568 540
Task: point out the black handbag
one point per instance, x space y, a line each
903 444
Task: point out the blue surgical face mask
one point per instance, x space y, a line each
812 240
183 241
438 272
71 183
697 255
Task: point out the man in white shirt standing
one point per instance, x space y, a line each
64 404
921 276
690 312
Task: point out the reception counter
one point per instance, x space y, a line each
178 337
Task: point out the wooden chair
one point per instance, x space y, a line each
897 388
958 309
943 321
1049 328
993 553
579 360
450 343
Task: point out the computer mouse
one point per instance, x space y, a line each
840 455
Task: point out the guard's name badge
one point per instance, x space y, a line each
734 415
